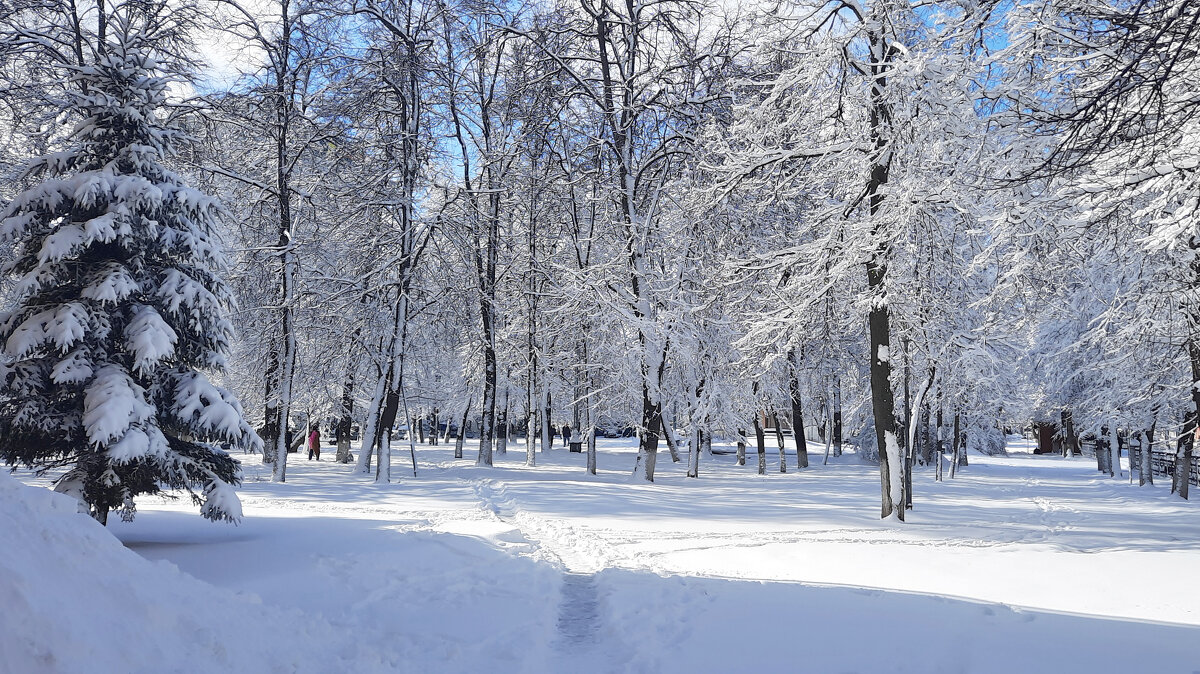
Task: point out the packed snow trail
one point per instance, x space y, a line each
580 618
579 612
555 540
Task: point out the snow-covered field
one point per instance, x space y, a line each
1021 564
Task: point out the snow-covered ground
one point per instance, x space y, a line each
1021 564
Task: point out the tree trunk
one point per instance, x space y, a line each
100 514
940 446
346 420
589 430
797 413
891 463
908 471
531 436
531 409
1140 436
1183 468
502 426
387 425
837 416
828 432
907 434
383 463
388 416
694 455
761 441
485 268
925 443
1146 470
939 437
282 412
548 419
1183 457
591 450
957 444
823 429
669 435
648 442
385 405
779 441
547 432
271 430
1070 441
962 454
531 345
487 424
287 357
287 263
462 431
370 434
1114 448
1190 428
412 447
921 404
1104 447
937 456
508 427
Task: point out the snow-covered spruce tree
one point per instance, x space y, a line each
119 308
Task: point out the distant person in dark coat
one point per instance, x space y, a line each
314 443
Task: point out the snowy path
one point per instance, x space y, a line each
580 618
578 613
513 569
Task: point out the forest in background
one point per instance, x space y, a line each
904 224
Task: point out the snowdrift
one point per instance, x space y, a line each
73 599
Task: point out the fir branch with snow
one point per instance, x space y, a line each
120 309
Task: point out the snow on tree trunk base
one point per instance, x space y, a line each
895 475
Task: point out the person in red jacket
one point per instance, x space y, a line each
314 443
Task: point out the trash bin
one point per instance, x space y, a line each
576 447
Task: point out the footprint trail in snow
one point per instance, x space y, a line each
578 612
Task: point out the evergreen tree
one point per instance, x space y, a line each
119 307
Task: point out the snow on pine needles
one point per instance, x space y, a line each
119 313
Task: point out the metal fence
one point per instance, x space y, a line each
1162 461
